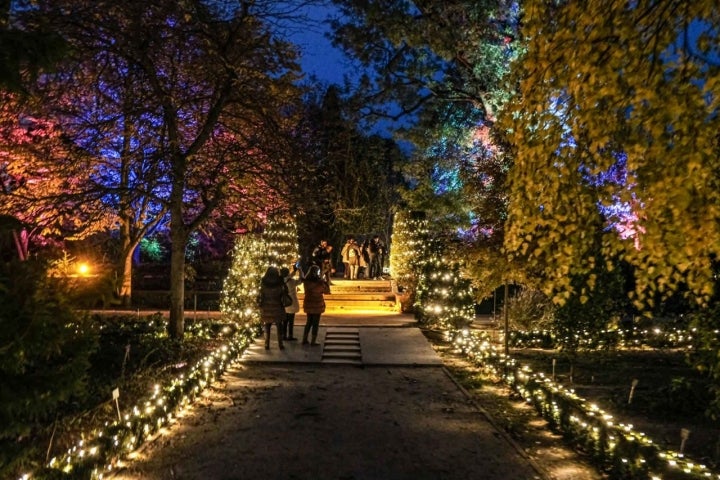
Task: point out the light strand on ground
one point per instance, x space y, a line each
633 337
101 450
618 448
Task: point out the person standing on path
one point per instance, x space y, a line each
346 258
353 256
314 302
271 307
291 282
322 256
364 264
376 251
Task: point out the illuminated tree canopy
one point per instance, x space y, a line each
444 64
615 127
181 106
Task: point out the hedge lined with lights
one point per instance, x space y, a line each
634 337
619 450
100 451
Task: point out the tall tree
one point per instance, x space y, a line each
33 190
24 54
212 86
617 109
350 175
427 52
444 64
238 298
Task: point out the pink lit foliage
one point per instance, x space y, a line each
623 209
36 193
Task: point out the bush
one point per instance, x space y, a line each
529 310
705 358
44 356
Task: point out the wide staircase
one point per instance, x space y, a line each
357 296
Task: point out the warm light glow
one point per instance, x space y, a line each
83 269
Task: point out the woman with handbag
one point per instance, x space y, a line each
272 310
314 302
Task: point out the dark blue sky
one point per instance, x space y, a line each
319 57
329 64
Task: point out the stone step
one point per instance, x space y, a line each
351 297
360 306
341 356
339 331
360 286
342 346
342 361
342 349
344 340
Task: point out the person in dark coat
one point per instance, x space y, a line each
292 281
272 310
322 256
314 302
376 250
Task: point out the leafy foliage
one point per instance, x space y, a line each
409 238
592 313
706 358
348 181
529 309
442 65
617 106
24 54
444 298
280 237
428 52
204 139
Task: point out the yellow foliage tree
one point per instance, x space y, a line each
618 104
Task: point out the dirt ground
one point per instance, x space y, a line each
299 421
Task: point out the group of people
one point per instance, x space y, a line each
277 283
360 259
363 260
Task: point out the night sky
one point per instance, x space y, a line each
319 57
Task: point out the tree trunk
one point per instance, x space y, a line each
21 239
125 268
178 238
126 279
176 324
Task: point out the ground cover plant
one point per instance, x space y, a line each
133 354
616 442
669 400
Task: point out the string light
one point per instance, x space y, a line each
101 450
633 337
622 451
104 449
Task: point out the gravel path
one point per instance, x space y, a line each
299 421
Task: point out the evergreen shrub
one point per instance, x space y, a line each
45 349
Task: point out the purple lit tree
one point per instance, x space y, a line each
182 106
